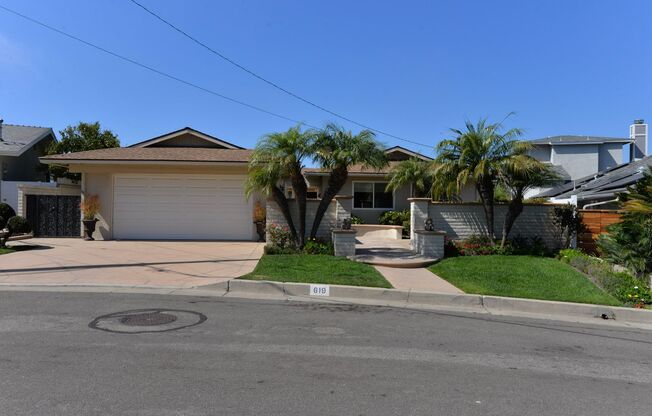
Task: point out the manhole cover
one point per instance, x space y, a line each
139 321
148 319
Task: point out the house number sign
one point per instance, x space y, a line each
320 290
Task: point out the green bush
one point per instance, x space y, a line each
18 225
280 236
401 218
272 250
623 286
6 212
318 247
356 220
480 245
567 254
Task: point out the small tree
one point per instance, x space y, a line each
280 157
518 176
568 221
477 155
335 150
415 172
79 138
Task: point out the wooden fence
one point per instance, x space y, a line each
595 223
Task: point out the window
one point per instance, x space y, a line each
372 195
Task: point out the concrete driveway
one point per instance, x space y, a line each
173 264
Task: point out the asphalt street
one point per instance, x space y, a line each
96 354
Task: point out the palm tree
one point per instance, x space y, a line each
279 157
415 172
335 150
519 174
476 155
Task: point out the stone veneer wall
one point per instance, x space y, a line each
333 217
463 220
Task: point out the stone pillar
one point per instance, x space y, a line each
343 208
418 214
430 243
344 242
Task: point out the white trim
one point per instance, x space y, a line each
186 130
373 197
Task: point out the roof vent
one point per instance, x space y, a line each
1 121
639 121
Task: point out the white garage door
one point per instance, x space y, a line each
185 207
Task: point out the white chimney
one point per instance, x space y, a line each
638 132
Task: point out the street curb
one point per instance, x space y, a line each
496 305
493 305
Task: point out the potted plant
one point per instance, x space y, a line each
260 215
90 206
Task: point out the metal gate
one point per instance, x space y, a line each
54 215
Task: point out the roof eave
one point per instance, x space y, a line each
52 161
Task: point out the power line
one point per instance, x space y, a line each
152 69
265 80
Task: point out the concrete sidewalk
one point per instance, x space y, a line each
416 279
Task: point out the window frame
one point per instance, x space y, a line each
373 196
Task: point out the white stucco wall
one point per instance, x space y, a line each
578 160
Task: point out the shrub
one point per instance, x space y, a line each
356 220
18 225
280 236
90 206
568 222
6 212
314 246
566 255
623 286
272 250
15 225
629 243
401 218
480 245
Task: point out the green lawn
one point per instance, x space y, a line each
521 277
6 250
303 268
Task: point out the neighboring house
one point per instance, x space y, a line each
181 185
600 190
370 199
575 157
20 149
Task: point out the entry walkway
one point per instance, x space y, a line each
389 253
416 279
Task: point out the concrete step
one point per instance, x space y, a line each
413 261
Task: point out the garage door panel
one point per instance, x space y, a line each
181 207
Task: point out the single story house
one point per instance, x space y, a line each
182 185
370 199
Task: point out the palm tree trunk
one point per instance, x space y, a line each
279 197
486 191
336 181
514 209
300 191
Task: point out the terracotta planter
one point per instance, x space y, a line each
89 229
260 229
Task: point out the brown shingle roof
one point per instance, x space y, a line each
156 154
355 169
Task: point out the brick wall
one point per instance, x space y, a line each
275 216
463 220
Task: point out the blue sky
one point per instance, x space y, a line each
412 68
